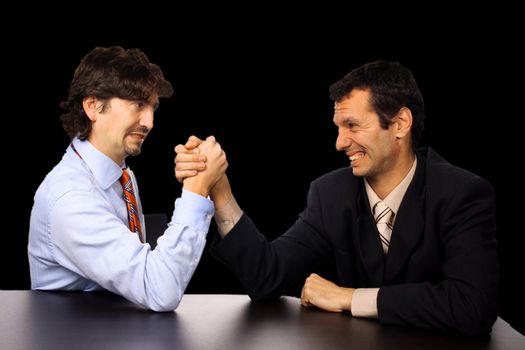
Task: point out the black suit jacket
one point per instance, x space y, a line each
441 270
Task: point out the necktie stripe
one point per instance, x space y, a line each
382 215
384 240
384 218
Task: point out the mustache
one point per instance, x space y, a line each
139 130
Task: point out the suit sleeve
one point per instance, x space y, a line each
269 269
466 299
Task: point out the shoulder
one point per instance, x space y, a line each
448 180
66 177
340 181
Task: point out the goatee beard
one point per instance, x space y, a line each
132 151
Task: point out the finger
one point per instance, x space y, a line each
211 139
304 300
315 278
183 149
193 141
181 175
184 157
190 166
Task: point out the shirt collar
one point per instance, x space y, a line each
394 198
103 168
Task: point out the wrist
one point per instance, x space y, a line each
347 301
220 199
195 188
221 194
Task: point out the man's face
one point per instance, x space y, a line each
121 129
371 149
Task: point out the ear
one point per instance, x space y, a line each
89 104
403 123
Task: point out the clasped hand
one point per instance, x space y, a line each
193 158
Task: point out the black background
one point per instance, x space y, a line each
259 83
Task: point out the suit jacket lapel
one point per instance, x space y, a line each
408 225
368 243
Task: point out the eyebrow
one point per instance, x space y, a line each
347 120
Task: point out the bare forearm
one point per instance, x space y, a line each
227 211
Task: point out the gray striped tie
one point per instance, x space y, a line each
384 217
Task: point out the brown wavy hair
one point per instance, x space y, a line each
108 72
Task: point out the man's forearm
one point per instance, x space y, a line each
226 217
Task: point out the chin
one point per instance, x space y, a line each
359 171
133 151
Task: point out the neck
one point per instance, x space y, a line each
384 184
104 148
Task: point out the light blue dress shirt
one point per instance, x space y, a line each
79 237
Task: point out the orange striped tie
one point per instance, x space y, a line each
131 204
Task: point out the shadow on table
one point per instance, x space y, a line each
99 320
269 324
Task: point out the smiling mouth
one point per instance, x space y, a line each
356 156
138 135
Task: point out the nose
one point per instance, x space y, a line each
342 142
146 118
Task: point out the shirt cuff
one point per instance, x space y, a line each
364 302
193 210
227 217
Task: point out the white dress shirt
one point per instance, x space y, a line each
364 300
79 237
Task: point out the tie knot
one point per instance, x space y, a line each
382 213
124 178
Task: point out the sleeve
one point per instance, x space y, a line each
364 302
466 298
269 269
91 241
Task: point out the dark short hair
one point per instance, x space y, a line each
108 72
392 87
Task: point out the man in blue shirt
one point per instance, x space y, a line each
79 236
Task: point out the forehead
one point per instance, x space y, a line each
355 100
356 104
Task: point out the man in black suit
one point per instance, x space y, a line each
435 266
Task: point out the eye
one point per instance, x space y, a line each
139 105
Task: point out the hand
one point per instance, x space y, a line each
189 161
326 295
216 166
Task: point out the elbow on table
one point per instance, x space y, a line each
167 303
478 320
263 296
168 307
